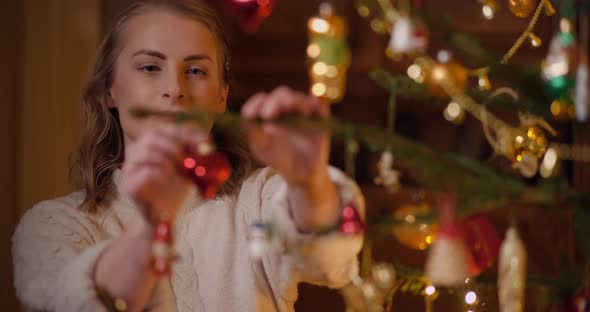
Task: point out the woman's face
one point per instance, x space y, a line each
166 62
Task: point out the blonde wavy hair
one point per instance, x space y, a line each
101 147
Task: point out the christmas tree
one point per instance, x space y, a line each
447 204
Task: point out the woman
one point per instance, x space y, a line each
91 250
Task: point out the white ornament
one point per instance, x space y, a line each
260 241
512 273
528 165
581 93
388 177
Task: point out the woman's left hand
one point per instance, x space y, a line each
300 155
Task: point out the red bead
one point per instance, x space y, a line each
163 230
351 221
161 267
207 172
250 13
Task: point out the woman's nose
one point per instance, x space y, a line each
174 88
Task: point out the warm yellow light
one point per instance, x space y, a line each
320 68
488 12
319 89
470 297
319 25
332 71
428 239
454 113
313 50
414 71
484 82
535 40
363 10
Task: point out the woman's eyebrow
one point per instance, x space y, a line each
153 53
161 55
197 57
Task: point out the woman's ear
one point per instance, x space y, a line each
224 95
110 100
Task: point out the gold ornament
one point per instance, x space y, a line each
483 81
563 109
532 139
521 8
328 54
528 147
535 40
450 70
512 273
413 233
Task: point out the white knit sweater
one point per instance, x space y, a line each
56 245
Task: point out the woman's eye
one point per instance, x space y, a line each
150 68
195 71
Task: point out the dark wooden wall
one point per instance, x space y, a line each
11 55
273 56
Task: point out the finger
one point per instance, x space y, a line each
251 108
192 135
279 101
319 107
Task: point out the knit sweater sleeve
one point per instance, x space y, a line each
326 260
54 255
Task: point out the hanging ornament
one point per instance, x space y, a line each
387 176
250 13
414 233
558 67
534 40
483 81
549 8
260 240
528 148
163 253
207 168
351 222
446 70
550 164
522 8
581 93
581 100
383 276
580 302
368 295
328 54
408 36
482 241
362 296
448 261
512 273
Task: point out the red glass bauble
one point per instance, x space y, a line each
208 172
482 241
250 13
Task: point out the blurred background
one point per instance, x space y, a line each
48 50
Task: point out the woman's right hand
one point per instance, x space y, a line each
150 171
